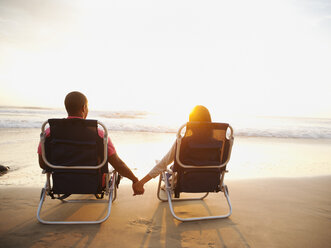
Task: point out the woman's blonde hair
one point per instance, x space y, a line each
200 113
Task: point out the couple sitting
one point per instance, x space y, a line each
76 105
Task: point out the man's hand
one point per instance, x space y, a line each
138 188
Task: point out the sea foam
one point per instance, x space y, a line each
141 121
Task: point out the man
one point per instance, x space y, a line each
76 105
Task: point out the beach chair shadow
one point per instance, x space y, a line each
26 231
201 157
160 230
77 163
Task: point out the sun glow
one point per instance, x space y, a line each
169 57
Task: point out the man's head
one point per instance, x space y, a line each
76 104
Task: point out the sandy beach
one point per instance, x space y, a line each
266 213
279 188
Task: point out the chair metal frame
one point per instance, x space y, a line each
111 179
169 186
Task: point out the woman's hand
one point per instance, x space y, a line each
138 188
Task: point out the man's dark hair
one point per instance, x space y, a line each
74 102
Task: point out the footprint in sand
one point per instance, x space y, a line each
147 223
140 221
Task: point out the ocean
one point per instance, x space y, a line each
263 147
143 121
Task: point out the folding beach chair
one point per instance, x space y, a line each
202 154
76 163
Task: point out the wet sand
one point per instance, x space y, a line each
252 157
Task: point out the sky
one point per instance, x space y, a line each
259 57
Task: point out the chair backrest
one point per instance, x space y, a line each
202 151
203 143
75 142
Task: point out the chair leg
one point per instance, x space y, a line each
109 201
159 189
168 191
42 199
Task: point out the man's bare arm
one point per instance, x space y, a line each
125 171
121 167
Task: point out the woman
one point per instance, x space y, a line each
199 113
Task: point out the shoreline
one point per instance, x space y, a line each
282 212
252 157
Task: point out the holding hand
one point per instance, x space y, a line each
138 188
